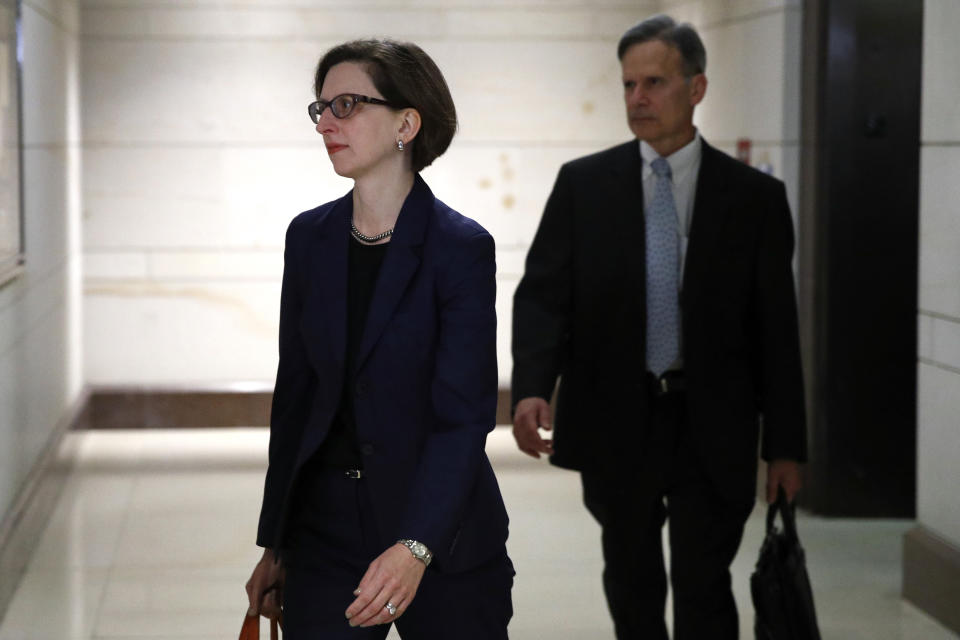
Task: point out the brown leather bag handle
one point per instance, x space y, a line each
251 628
251 624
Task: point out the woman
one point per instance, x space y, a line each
380 505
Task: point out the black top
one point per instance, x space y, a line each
339 450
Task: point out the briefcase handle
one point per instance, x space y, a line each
786 510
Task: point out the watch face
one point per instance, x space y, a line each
419 549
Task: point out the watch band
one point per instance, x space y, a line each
419 551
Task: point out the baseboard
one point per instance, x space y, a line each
931 575
179 407
27 518
196 407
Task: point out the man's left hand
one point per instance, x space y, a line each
786 474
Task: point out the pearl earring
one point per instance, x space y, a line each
399 144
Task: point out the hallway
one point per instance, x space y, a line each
152 538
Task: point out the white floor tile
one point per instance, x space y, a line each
55 604
153 538
189 540
85 526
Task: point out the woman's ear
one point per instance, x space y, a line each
409 125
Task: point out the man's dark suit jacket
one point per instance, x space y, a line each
579 314
424 380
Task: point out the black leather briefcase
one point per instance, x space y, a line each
780 586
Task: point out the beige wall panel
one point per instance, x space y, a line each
63 13
213 197
938 449
47 91
46 198
711 12
376 5
745 97
114 265
33 297
38 348
198 150
938 373
180 333
535 92
160 236
940 230
941 91
504 188
177 93
35 389
945 341
264 265
256 22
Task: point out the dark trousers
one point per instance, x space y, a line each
632 502
333 540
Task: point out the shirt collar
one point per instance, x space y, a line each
680 161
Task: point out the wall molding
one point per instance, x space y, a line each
931 575
180 407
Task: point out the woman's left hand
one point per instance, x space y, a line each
392 578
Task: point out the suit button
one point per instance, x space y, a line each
361 388
366 449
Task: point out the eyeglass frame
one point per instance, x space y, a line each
319 106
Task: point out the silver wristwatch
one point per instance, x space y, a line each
419 551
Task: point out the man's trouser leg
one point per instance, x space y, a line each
705 533
634 577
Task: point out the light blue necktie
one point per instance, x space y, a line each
663 250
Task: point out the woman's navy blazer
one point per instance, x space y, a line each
424 379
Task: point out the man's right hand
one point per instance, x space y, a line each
530 415
267 577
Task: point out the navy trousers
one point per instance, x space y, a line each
333 540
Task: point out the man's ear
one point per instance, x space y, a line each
409 125
698 89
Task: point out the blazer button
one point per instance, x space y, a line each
366 449
361 388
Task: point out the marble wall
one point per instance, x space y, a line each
938 370
198 151
40 319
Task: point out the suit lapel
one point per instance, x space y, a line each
329 256
399 265
628 199
710 208
626 203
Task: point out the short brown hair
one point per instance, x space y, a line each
406 77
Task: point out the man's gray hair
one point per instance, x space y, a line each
662 27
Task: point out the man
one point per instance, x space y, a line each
659 290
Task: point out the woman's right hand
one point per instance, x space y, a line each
267 579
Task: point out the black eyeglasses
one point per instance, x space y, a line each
341 106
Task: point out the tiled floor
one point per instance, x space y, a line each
152 538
